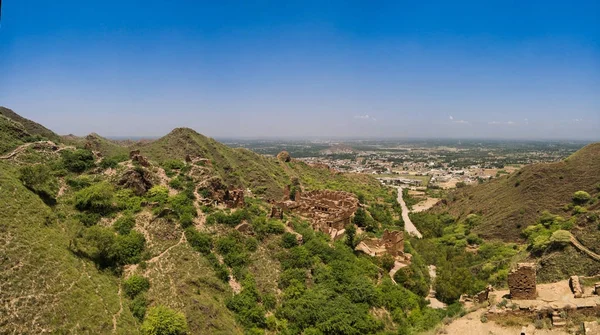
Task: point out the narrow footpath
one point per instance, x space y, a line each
408 225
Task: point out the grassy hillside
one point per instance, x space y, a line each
12 134
509 204
243 168
95 142
31 127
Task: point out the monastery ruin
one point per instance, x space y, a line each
328 211
521 282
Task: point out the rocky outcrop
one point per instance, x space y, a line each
284 156
138 179
135 156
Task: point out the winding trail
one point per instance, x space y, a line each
582 248
408 225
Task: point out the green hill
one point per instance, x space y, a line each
509 204
12 134
90 246
265 176
33 128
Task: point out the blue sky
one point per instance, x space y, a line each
495 69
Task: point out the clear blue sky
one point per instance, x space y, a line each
508 69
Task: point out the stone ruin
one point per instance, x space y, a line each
522 282
276 213
138 180
234 198
392 243
219 193
575 286
329 211
284 156
135 156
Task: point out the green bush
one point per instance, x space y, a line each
288 240
138 306
88 219
135 285
38 178
158 194
124 224
106 249
201 242
112 162
79 182
96 198
220 270
77 161
581 197
161 320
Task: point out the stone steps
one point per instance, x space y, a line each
557 320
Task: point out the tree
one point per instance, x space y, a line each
38 178
581 197
78 160
161 320
95 198
360 217
288 240
350 236
135 285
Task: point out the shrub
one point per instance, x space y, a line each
112 162
581 197
96 198
288 240
88 219
124 224
387 262
38 178
77 161
176 183
158 194
79 182
579 210
561 237
461 184
128 249
135 285
161 320
201 242
138 306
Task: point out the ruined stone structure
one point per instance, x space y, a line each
483 296
234 198
575 286
392 243
328 210
136 157
276 213
284 156
139 180
522 282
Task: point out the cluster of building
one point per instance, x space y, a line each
329 211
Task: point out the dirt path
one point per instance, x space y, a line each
408 225
581 247
471 324
433 301
156 258
116 315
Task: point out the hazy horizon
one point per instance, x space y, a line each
390 70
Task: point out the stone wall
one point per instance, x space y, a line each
327 210
522 282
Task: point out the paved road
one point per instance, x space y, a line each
408 225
